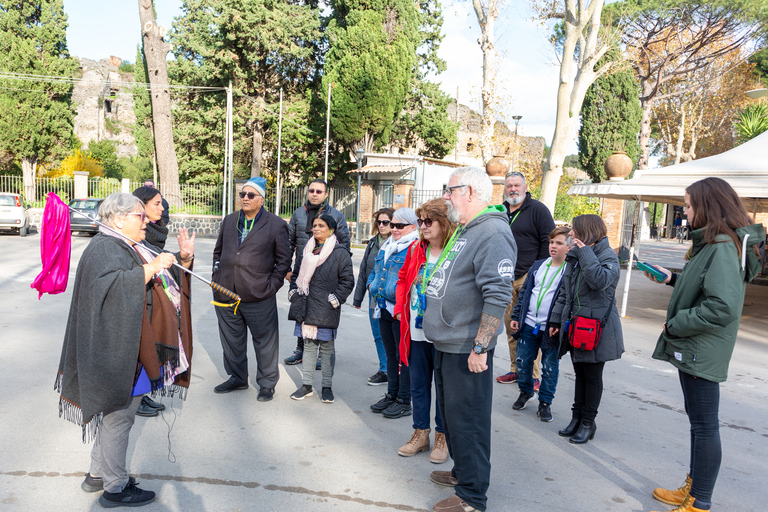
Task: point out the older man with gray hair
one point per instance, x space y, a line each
466 296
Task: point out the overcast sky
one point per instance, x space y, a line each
526 75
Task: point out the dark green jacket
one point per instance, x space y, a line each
705 308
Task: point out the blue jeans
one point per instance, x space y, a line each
377 340
421 363
702 403
527 349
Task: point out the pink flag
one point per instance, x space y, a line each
55 247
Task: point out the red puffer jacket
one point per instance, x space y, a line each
416 257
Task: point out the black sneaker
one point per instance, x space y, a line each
544 413
398 409
377 379
522 400
151 403
229 385
327 396
265 394
96 484
302 392
130 496
383 403
295 358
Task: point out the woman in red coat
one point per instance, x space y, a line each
416 351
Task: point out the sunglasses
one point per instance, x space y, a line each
449 190
514 173
399 225
142 215
316 191
251 195
383 222
425 222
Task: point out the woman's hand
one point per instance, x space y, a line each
514 325
575 242
162 261
186 247
398 316
553 331
666 272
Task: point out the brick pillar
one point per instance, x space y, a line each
238 188
498 189
405 188
613 216
81 185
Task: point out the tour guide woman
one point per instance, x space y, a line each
416 351
702 323
157 231
125 302
322 280
381 231
588 289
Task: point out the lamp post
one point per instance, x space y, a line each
517 149
360 154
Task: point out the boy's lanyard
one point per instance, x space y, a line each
543 290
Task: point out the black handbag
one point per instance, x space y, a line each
298 308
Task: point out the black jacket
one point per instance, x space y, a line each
366 267
297 227
256 268
335 276
531 227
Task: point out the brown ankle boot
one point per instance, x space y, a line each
687 506
419 443
675 497
440 450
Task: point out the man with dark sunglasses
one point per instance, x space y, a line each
300 229
251 258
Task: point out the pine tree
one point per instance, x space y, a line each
36 117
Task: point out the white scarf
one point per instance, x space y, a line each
392 246
309 263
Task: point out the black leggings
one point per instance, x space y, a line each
589 390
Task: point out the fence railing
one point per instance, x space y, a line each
422 196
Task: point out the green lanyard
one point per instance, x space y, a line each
448 247
543 292
514 218
247 228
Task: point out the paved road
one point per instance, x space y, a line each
231 453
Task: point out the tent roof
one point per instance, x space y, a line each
745 167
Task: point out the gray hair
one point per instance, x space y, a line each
119 204
406 215
476 178
515 174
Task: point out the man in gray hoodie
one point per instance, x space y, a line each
466 296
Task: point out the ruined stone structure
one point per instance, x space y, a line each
104 103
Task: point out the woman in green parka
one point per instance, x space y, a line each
702 323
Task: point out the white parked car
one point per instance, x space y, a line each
13 213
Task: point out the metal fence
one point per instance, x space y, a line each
422 196
63 187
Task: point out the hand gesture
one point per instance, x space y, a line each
666 272
515 325
186 244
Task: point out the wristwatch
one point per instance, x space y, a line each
478 349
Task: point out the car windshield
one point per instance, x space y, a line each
84 205
7 200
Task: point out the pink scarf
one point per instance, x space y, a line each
55 247
309 263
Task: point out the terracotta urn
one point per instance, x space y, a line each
617 166
497 167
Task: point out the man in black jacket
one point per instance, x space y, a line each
531 223
251 258
300 229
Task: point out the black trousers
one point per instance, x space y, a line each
588 391
398 376
261 319
465 401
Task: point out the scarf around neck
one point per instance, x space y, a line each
392 246
309 263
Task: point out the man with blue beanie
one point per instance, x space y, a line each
251 257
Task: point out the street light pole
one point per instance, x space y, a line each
360 154
517 148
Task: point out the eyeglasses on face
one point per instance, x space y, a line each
251 195
142 215
383 222
399 225
316 191
449 190
426 222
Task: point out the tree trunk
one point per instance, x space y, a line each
646 103
155 51
29 169
258 139
486 19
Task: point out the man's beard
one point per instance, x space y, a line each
515 200
453 214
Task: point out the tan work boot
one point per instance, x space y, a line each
687 506
439 450
419 443
675 497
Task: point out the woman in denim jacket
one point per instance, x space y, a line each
382 283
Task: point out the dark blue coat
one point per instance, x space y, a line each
524 299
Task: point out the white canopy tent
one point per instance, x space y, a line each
745 167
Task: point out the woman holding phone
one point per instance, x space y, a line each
703 318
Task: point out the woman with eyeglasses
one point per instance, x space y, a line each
416 351
129 332
381 231
382 284
157 231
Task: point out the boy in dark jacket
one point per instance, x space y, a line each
529 324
